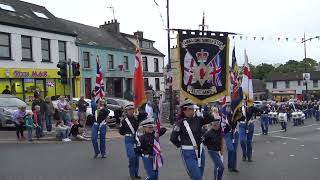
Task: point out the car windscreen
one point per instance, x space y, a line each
11 102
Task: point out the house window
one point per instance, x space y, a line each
110 62
299 83
145 63
7 7
45 50
40 15
86 59
5 50
62 51
126 62
146 83
157 82
156 65
274 84
315 83
26 42
287 84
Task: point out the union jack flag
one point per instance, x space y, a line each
215 64
158 160
99 88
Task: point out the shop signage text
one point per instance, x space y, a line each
35 74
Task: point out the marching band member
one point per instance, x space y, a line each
264 118
145 147
187 136
213 139
232 139
99 127
128 128
246 130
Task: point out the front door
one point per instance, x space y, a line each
88 87
118 92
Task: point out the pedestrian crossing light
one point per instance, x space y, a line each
75 69
63 70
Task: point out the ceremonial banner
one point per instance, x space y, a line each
203 65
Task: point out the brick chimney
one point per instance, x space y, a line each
112 26
139 34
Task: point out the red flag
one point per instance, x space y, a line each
139 95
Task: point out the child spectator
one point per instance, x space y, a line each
29 125
37 121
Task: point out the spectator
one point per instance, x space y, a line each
49 112
77 131
6 91
82 108
29 125
62 131
38 122
149 109
17 117
41 115
62 108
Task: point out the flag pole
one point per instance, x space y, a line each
171 116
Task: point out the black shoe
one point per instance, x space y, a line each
95 156
235 170
244 158
138 177
250 160
103 156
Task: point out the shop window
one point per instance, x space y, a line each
16 88
129 84
50 87
26 43
45 50
287 84
3 84
5 46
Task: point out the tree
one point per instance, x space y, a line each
261 70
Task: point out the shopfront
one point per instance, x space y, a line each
23 82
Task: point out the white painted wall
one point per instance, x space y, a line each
292 85
16 50
151 68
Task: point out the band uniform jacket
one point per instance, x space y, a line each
180 134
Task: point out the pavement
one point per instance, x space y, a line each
291 155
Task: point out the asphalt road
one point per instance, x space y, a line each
294 155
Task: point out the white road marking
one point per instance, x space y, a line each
271 153
315 158
283 137
291 155
284 143
302 145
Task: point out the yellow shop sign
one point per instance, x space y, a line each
28 73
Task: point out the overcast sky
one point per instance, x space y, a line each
253 18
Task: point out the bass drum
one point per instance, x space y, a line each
283 117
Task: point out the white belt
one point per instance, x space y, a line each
147 156
185 147
242 122
128 135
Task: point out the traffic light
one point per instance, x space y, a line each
63 72
75 69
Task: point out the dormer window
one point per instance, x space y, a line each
40 15
7 7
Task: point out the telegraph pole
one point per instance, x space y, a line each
305 62
70 79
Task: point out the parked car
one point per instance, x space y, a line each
117 105
8 104
90 116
